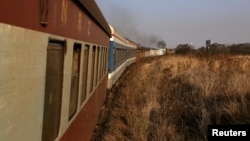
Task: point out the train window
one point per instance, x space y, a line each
85 73
102 57
105 61
97 65
120 56
53 91
100 64
92 69
74 80
131 53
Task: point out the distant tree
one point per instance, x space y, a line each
161 44
185 49
202 51
219 49
243 48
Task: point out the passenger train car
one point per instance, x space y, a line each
122 53
57 59
149 52
53 67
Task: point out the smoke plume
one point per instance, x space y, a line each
124 22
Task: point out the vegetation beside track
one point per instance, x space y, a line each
175 98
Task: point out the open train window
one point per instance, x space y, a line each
85 73
74 80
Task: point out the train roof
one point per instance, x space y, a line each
93 9
117 37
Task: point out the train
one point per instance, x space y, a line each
122 53
143 52
57 60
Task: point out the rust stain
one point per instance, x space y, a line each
89 24
79 22
64 11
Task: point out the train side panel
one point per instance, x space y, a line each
22 62
122 53
24 44
67 18
22 86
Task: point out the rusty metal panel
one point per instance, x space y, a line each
53 92
74 80
87 116
96 13
58 17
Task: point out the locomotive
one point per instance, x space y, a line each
57 60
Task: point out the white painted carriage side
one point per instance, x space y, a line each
156 52
131 60
113 77
117 37
22 71
23 55
67 71
131 44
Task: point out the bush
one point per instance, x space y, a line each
216 49
185 49
240 48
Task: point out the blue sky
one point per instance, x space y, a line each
179 21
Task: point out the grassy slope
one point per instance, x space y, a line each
175 98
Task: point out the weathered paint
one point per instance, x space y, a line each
62 19
22 87
22 71
25 33
82 127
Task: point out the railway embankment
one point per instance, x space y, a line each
175 98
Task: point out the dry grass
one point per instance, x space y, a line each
175 98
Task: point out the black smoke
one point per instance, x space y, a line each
125 23
161 44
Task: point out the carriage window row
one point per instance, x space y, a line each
131 53
94 67
120 56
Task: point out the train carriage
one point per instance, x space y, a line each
143 52
53 67
122 53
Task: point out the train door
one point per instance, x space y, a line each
53 92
